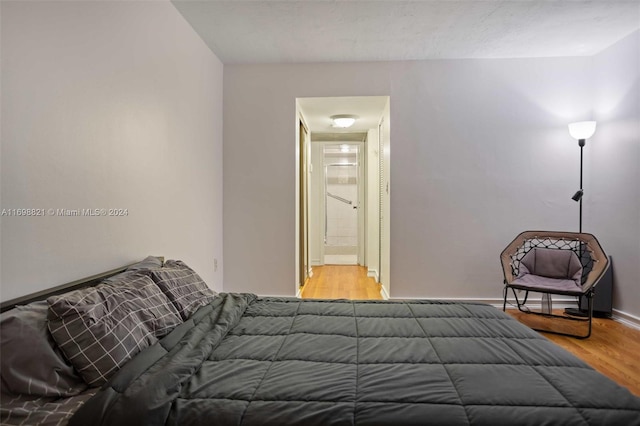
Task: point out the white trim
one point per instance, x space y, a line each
284 296
561 303
299 289
373 274
341 259
557 304
384 294
626 319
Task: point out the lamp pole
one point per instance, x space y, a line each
581 143
579 312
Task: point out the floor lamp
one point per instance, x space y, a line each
581 131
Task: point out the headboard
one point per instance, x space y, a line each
63 288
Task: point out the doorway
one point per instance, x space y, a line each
342 211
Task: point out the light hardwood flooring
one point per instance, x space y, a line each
341 282
613 349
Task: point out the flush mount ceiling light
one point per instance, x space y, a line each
343 120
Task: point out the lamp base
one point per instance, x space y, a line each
575 312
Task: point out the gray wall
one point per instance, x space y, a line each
612 167
107 105
480 151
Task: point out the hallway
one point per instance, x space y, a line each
341 282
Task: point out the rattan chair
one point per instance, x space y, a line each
547 262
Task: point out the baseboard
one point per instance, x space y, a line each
557 304
300 288
494 302
373 274
626 319
537 305
383 293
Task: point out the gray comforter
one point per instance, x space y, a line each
269 361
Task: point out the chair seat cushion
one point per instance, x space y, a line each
544 284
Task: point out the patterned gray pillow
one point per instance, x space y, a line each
183 286
100 328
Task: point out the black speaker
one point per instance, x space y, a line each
603 296
602 299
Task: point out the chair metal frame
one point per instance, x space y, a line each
589 252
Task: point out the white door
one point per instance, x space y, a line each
342 203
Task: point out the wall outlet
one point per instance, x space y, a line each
215 265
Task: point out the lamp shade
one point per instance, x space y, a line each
582 129
343 120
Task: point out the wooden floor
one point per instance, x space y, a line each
613 349
341 282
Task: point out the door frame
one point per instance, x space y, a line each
303 230
384 262
362 205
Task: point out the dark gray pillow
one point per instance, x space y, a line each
100 328
183 287
31 364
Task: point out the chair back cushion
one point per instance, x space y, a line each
552 263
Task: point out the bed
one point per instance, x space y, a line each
230 359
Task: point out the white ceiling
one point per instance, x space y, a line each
240 31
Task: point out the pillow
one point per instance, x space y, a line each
31 363
150 262
552 263
100 328
183 286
